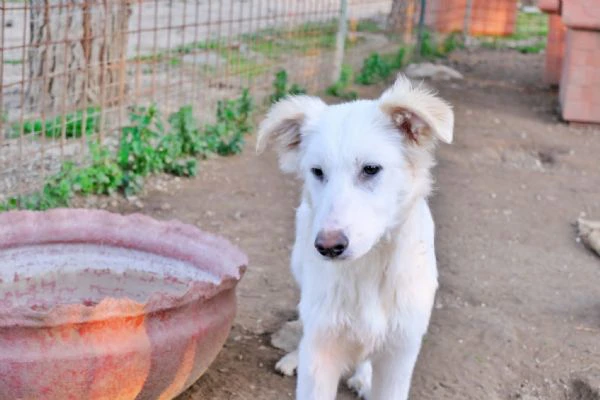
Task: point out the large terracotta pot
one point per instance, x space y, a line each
95 305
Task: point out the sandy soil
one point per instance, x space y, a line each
518 311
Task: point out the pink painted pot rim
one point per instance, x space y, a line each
172 239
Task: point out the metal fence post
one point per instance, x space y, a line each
467 23
421 28
340 41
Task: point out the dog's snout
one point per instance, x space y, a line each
331 244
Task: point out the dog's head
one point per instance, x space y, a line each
363 162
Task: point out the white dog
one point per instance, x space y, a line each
364 253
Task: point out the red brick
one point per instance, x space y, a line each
579 93
555 48
581 14
549 5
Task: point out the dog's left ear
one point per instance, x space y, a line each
417 112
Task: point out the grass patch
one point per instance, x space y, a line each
10 61
368 25
74 125
234 61
529 36
531 25
276 43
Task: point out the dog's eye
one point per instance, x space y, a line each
371 170
317 172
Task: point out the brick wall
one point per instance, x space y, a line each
555 48
580 82
581 14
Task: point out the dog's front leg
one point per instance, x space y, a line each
320 366
392 371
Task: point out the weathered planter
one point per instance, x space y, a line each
95 305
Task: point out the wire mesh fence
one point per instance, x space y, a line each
72 71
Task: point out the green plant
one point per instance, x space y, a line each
340 87
427 46
233 123
103 176
74 125
532 48
452 42
281 88
146 146
374 69
368 25
395 60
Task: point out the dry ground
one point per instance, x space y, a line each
518 310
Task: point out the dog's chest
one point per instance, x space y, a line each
370 304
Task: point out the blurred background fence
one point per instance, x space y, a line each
72 71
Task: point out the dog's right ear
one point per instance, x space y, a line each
283 124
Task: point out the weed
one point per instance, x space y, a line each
377 67
226 137
374 69
452 42
281 88
395 60
427 46
340 87
74 125
532 48
368 25
13 61
146 146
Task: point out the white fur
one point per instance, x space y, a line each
371 306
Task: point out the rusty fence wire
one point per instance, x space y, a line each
72 70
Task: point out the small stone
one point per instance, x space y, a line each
493 195
433 71
165 207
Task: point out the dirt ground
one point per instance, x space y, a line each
518 311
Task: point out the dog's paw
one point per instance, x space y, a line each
288 364
360 382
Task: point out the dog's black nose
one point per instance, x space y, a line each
331 244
